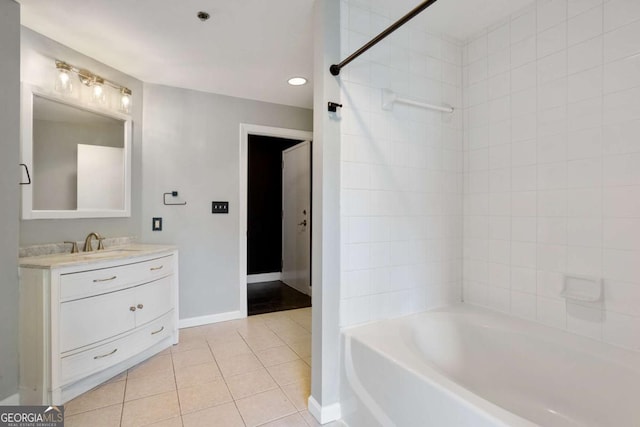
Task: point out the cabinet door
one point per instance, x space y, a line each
153 299
89 320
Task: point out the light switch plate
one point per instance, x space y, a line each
156 224
219 207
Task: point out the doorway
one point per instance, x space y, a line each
278 224
276 245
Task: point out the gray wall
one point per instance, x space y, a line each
191 144
38 68
9 149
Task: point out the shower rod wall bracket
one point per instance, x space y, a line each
333 107
335 68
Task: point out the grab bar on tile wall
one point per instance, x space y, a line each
335 68
389 97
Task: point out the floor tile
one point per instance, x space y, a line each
149 385
301 347
298 393
120 377
290 330
184 385
171 422
190 343
151 409
197 374
294 420
311 421
240 364
192 357
263 341
255 382
276 355
165 351
225 415
104 395
264 407
292 337
203 396
223 336
229 349
290 372
103 417
191 333
155 364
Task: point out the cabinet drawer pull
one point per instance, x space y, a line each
158 331
105 355
132 308
156 268
140 306
105 280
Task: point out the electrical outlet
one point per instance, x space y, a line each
156 224
219 207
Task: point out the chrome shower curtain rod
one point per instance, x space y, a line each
335 68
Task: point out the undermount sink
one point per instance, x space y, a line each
106 253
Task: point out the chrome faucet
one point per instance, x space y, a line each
88 247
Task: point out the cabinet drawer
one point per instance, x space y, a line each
90 361
89 320
99 281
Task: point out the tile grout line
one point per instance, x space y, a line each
233 399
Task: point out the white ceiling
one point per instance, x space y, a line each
248 49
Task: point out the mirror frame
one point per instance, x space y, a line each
26 156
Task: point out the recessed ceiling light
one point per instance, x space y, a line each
297 81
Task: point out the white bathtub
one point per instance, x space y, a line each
466 366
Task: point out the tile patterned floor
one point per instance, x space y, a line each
248 372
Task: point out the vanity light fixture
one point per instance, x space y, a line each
63 79
125 100
97 91
297 81
99 85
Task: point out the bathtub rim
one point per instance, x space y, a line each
366 335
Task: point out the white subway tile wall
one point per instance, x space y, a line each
401 180
552 165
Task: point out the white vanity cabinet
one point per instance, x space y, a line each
84 321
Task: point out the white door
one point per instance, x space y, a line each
296 217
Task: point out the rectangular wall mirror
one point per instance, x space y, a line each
79 158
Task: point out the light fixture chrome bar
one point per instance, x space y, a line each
88 78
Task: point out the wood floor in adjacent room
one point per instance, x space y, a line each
267 297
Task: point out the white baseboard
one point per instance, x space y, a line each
211 318
264 277
324 414
12 400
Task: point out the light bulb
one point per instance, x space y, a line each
63 79
125 100
97 91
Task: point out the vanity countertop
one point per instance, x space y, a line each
83 258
